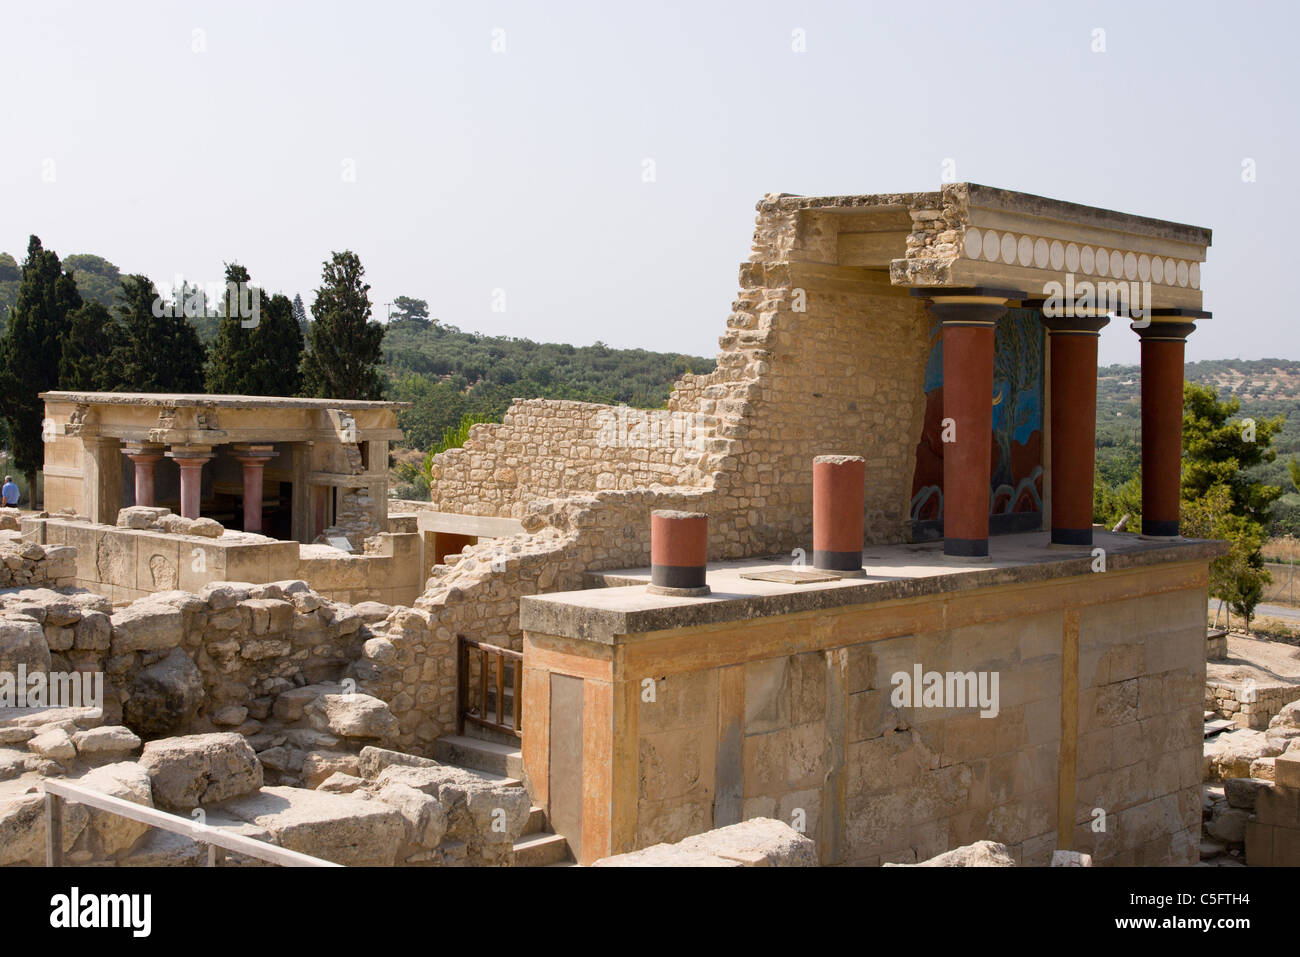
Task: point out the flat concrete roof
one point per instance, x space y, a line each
609 615
165 400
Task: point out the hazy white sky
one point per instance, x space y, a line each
171 150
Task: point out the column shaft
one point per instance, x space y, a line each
1074 427
1163 346
968 403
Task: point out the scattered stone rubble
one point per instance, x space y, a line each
758 842
1245 794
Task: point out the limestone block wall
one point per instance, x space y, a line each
1140 729
126 563
793 717
1250 705
547 448
817 358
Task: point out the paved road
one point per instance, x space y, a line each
1278 611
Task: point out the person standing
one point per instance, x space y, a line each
9 492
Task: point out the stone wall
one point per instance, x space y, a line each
167 552
791 715
1140 729
1249 704
817 359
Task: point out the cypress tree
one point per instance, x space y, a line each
152 353
84 365
345 346
31 351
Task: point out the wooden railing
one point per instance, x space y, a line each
57 791
476 708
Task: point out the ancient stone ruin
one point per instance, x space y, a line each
871 623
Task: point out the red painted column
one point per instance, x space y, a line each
679 549
1074 425
190 460
1163 344
145 458
968 316
254 459
839 491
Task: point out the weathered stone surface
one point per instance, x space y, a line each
480 810
374 760
1229 826
164 696
426 820
1230 754
340 783
22 828
163 849
130 782
1071 859
372 611
979 854
1241 792
139 516
54 744
106 741
146 625
200 769
22 644
94 632
291 704
758 842
342 828
207 528
317 766
352 716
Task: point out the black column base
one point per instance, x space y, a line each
1159 529
966 547
837 561
1072 536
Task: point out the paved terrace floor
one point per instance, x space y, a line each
617 604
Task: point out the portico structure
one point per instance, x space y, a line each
287 467
1075 266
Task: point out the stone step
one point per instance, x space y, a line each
538 850
536 820
480 755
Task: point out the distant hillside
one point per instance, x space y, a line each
449 374
1265 387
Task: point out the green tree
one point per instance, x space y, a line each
300 315
31 350
279 343
83 365
411 312
1220 499
1219 450
1293 468
152 351
11 275
1238 577
233 358
346 348
98 280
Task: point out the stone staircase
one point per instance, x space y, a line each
492 752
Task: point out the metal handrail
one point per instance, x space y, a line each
57 791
